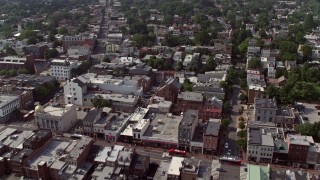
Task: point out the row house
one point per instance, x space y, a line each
196 101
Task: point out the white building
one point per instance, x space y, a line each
187 60
108 83
61 69
261 143
59 119
7 105
74 91
140 128
174 168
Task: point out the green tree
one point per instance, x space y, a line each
308 22
22 71
106 59
210 64
242 143
227 107
32 40
309 129
99 102
187 85
307 52
51 53
225 122
202 38
243 83
63 30
243 97
241 125
179 66
10 51
242 134
254 63
272 91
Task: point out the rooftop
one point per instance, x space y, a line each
116 123
49 154
6 133
256 172
162 171
139 114
164 127
103 155
189 117
103 172
175 165
300 140
141 124
114 153
191 96
56 111
81 145
213 127
265 103
5 99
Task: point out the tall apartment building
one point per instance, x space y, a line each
186 129
74 90
61 69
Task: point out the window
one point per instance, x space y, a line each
75 99
139 136
258 118
68 98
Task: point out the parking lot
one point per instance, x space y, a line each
310 113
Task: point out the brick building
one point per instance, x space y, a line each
298 148
211 136
18 63
169 90
196 101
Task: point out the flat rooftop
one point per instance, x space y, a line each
80 146
117 123
175 165
162 171
49 154
115 153
114 97
139 114
6 133
4 100
55 111
103 155
164 127
191 96
103 173
140 125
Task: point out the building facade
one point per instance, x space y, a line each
58 119
61 69
187 128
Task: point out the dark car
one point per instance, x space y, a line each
221 170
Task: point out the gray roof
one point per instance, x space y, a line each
91 115
174 82
280 146
213 127
265 103
191 96
80 83
189 116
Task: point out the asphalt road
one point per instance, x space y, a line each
232 137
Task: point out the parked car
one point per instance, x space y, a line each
221 170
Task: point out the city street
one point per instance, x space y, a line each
232 138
